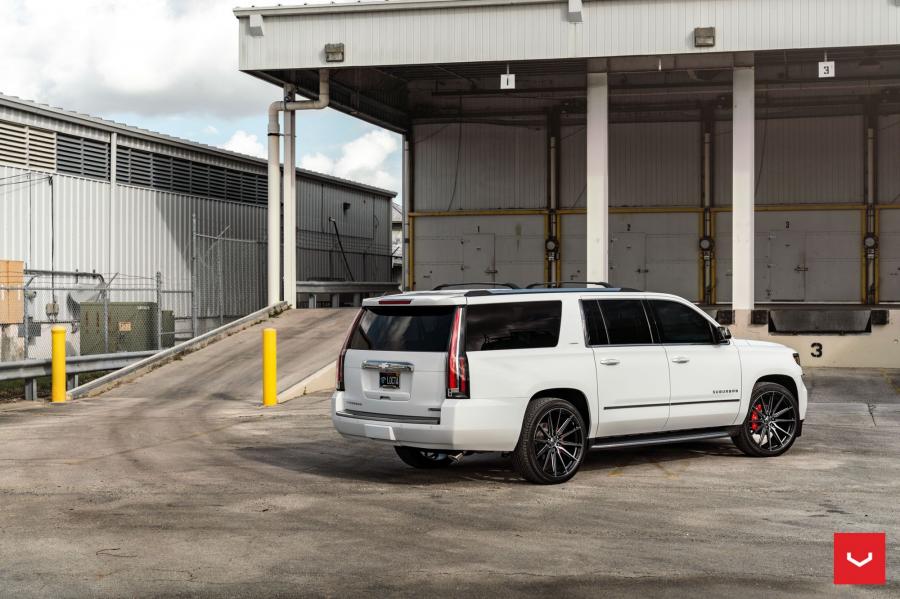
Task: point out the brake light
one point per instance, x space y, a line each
339 372
457 363
390 302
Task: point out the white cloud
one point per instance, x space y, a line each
317 162
364 160
245 143
150 57
209 129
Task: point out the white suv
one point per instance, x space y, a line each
547 374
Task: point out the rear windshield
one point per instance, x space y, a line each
404 329
520 325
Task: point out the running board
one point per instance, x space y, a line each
658 438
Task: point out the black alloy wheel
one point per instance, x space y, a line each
772 421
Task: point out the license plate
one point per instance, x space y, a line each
389 380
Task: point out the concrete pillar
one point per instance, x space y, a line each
597 191
743 189
290 207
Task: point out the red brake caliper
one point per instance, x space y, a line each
757 410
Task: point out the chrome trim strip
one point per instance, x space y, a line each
660 440
675 403
385 365
357 415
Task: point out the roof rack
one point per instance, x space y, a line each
475 286
548 290
562 284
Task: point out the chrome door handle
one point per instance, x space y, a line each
681 360
609 361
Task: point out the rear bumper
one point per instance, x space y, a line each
462 424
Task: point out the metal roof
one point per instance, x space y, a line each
153 136
377 5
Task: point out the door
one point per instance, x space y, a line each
787 266
705 377
396 362
632 372
627 264
478 258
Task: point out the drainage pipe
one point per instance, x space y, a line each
290 203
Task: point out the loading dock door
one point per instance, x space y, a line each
627 260
787 266
478 258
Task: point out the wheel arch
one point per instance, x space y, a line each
784 380
576 397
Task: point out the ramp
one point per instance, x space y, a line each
230 368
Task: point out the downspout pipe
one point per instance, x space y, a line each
290 204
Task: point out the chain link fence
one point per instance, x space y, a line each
105 314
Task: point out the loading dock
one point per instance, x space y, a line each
732 174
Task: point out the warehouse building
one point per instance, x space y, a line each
88 204
741 154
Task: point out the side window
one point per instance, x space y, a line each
678 323
626 322
593 323
520 325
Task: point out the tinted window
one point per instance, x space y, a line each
521 325
404 329
678 323
626 323
593 323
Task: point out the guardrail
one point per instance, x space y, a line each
30 370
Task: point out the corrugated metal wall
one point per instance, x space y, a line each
364 223
656 252
888 150
812 256
526 31
650 164
138 231
456 249
799 161
476 166
889 255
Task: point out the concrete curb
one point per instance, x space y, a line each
321 380
129 373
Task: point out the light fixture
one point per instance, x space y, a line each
706 243
334 52
704 37
256 25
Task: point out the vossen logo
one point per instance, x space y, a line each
724 391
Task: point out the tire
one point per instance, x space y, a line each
552 443
426 459
772 421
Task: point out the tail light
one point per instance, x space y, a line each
339 374
457 363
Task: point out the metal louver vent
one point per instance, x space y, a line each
28 147
167 173
84 157
162 172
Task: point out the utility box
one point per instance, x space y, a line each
12 301
130 326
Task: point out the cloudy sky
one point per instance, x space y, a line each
171 66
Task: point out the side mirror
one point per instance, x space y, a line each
722 335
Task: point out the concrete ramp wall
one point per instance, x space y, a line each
230 368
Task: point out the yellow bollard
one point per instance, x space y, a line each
269 368
58 364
